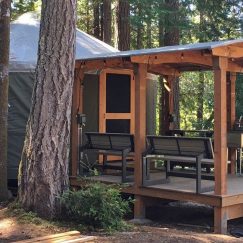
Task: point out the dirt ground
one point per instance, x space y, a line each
173 222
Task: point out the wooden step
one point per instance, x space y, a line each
67 237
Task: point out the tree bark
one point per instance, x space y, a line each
116 20
139 27
149 26
200 101
96 19
4 62
107 21
201 75
45 159
172 37
88 26
169 35
102 22
123 13
162 96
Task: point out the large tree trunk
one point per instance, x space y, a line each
162 90
200 101
123 13
96 24
201 76
107 21
172 37
116 19
45 159
102 22
4 62
139 27
88 25
149 27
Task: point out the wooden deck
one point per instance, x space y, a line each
235 183
183 189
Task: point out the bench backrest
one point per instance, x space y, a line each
184 146
110 141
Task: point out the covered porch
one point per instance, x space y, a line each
225 59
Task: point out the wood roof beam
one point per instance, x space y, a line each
101 64
193 57
234 67
163 70
228 51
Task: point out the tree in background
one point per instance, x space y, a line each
148 24
206 21
84 16
172 37
22 6
5 7
123 24
96 22
107 21
169 35
44 164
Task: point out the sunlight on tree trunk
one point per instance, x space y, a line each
4 62
44 165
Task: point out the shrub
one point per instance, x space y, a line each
96 205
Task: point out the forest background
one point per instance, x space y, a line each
138 24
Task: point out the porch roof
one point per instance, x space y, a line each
173 59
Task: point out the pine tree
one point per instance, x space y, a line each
4 62
45 159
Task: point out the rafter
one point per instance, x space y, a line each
195 57
101 64
228 51
163 70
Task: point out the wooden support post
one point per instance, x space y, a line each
231 78
139 207
77 106
220 126
220 220
140 71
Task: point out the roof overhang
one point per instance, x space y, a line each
172 59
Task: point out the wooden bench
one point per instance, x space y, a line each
118 144
196 151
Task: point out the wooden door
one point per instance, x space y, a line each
117 100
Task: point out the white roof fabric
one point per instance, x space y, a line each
165 49
24 37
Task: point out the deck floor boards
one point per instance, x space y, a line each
234 182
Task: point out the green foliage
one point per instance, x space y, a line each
212 20
188 104
85 15
22 6
15 210
96 205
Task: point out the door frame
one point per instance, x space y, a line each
102 100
